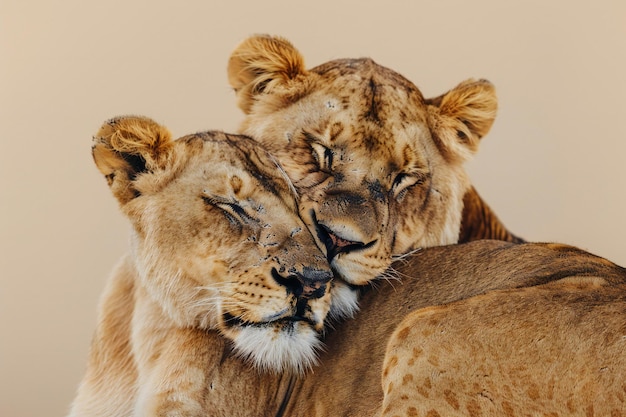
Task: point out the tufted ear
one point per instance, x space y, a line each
461 117
125 147
260 64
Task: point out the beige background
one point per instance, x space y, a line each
552 167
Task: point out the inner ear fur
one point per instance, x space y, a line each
260 64
461 117
126 146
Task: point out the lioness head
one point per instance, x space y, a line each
217 240
378 166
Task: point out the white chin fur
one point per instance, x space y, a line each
289 350
345 301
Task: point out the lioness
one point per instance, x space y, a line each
218 308
217 245
379 167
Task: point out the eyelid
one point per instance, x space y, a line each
323 155
405 180
213 199
230 206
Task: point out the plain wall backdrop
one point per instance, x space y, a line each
553 166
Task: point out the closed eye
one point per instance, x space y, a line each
405 180
323 155
233 211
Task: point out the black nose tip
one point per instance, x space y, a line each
314 282
309 283
318 276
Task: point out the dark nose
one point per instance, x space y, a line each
308 283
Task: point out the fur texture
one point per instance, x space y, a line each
567 308
217 245
553 349
206 316
379 167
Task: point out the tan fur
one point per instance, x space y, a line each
481 222
378 166
554 349
347 381
162 346
217 246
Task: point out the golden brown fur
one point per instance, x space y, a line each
347 382
554 349
217 245
379 167
220 306
162 346
357 349
480 222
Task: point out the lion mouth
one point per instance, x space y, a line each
334 243
288 321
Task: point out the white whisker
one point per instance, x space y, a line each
390 275
283 174
403 257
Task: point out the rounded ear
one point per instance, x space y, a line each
261 63
126 146
461 117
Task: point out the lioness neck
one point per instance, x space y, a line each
480 222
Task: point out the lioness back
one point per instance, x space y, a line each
553 349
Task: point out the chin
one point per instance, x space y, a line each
285 346
354 271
